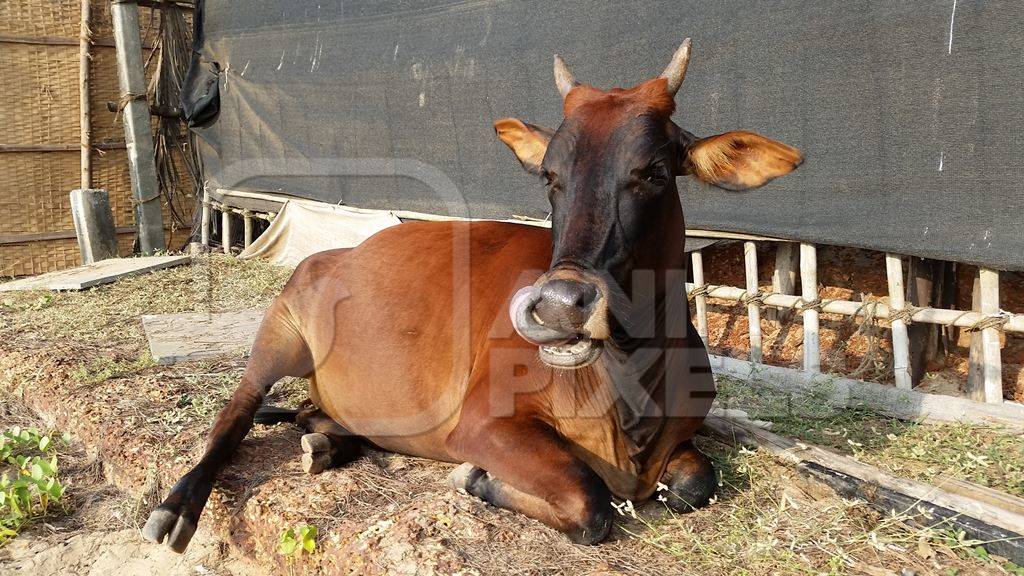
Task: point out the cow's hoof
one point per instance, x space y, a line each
316 463
176 518
315 442
177 529
694 490
464 475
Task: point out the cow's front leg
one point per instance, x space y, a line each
525 466
278 351
690 478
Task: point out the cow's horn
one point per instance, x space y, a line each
676 69
563 78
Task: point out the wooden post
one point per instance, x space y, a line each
753 309
783 279
225 229
94 225
985 371
900 342
700 302
809 294
138 134
247 225
204 226
85 122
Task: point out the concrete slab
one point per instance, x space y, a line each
102 272
176 337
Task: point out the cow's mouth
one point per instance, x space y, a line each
557 347
575 354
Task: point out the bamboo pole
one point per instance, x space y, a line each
700 302
204 226
900 340
225 231
247 226
945 317
985 382
85 121
753 310
137 129
809 294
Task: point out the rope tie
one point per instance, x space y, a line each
997 321
905 314
816 304
757 298
701 290
127 99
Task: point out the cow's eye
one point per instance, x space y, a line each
655 174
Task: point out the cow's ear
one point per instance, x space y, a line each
528 142
740 160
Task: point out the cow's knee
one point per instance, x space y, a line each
585 510
692 481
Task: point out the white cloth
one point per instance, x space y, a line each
304 228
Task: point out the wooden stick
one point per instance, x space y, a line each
809 293
108 145
85 122
225 231
960 318
247 225
900 341
204 226
700 302
783 279
753 310
830 391
984 382
879 488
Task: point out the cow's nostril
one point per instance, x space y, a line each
565 304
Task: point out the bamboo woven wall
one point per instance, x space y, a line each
39 108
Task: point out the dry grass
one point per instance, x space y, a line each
767 519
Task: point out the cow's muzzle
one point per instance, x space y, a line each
555 315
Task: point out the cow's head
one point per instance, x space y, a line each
611 172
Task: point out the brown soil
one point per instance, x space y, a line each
848 347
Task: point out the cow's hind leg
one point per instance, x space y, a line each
524 465
690 478
278 351
326 443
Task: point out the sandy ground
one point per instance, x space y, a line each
121 552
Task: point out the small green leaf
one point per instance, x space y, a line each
44 443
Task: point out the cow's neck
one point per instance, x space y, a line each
635 367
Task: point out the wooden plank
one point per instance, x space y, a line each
700 302
181 337
102 272
783 279
809 294
753 309
840 393
900 341
849 475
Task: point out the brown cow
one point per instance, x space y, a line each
408 340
